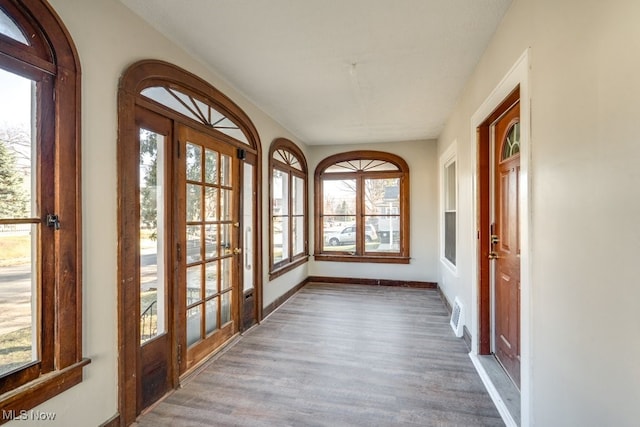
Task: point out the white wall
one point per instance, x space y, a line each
584 203
421 157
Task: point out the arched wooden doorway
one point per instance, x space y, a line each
189 209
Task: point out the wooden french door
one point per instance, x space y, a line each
505 241
207 232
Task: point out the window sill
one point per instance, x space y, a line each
282 269
42 389
395 259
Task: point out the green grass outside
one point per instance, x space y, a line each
15 349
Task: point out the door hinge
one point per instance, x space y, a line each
53 221
179 354
179 251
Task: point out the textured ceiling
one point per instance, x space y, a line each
338 71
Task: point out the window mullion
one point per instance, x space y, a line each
360 210
290 215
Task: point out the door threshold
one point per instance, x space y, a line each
501 389
208 360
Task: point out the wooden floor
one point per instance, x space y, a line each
339 355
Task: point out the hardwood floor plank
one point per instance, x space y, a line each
339 355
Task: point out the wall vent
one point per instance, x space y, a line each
457 314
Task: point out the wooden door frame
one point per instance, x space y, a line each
517 78
485 196
135 78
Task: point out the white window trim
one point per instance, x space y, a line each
447 158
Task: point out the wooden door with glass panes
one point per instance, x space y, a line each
208 245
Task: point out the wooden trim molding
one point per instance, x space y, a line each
373 282
288 267
131 103
42 389
52 61
359 173
283 298
294 153
112 422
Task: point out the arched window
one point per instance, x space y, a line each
362 201
40 228
288 207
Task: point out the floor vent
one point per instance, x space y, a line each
456 318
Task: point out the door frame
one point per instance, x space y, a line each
138 76
516 77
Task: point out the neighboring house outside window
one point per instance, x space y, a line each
362 207
40 209
288 207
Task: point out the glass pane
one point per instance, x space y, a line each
280 238
211 241
211 167
194 284
281 156
362 165
225 205
297 195
211 204
152 239
382 196
511 145
339 233
225 170
211 284
166 98
225 310
225 239
10 29
190 107
450 187
211 318
225 276
17 148
298 237
18 295
194 162
339 208
235 133
280 193
450 236
288 158
194 322
382 234
194 243
194 202
247 220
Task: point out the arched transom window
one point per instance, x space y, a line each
363 208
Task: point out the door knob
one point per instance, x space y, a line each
237 251
493 255
494 239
